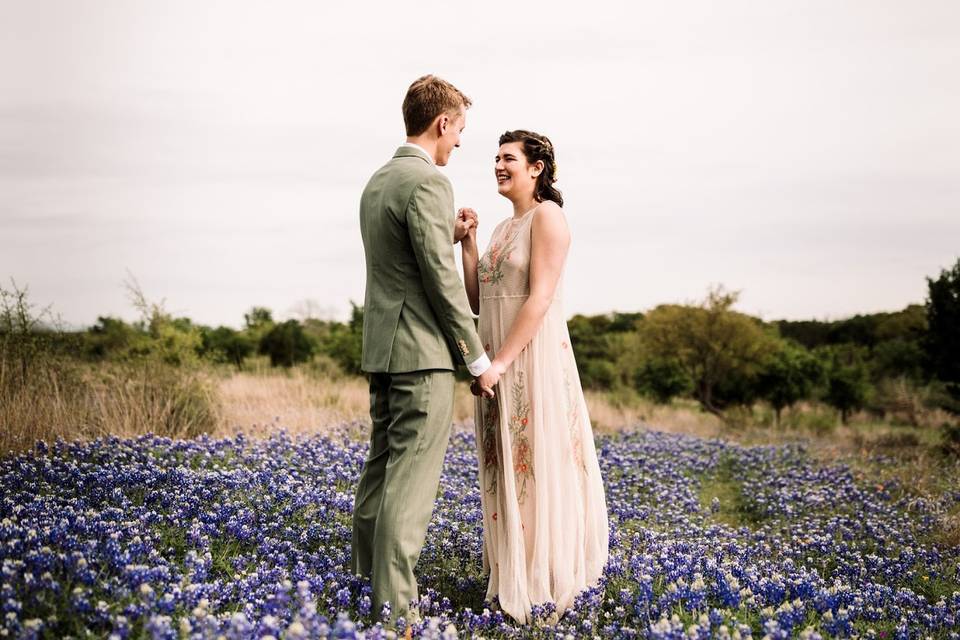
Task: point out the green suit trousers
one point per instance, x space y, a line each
412 415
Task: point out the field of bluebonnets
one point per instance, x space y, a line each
239 538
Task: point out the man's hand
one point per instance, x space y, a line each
477 391
465 224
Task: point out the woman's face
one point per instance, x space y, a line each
516 178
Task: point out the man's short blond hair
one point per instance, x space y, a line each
427 98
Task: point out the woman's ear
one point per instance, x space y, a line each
538 168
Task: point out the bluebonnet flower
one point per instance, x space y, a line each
245 538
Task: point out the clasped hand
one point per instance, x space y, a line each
486 381
465 225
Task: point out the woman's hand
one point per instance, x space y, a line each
487 380
465 226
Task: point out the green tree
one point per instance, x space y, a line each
225 344
898 358
624 322
847 378
115 339
599 342
662 379
258 317
258 322
175 341
908 324
943 336
710 342
345 343
789 374
286 344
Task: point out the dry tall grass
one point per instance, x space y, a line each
77 401
611 413
260 403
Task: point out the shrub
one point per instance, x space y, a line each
788 375
943 338
597 374
286 344
662 380
224 344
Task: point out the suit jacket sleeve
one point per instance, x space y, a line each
430 223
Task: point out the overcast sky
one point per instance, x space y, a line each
806 153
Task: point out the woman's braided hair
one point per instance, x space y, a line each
538 147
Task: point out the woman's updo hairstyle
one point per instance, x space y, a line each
538 147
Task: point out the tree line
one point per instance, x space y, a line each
725 359
706 351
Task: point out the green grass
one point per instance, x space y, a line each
934 582
222 554
736 509
173 541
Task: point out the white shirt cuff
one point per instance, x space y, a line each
478 366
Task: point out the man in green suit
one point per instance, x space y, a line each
417 327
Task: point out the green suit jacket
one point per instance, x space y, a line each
415 312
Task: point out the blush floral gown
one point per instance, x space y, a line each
545 534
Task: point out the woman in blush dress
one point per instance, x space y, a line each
545 527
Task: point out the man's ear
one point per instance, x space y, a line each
443 123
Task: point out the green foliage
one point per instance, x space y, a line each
287 344
718 349
224 344
809 333
943 337
898 357
595 343
724 359
341 344
346 343
175 341
788 375
112 337
624 322
258 317
723 486
662 379
859 330
257 323
597 374
848 382
909 324
586 333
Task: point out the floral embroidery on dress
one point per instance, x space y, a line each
490 267
573 422
522 459
489 436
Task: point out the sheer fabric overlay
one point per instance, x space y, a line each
545 528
